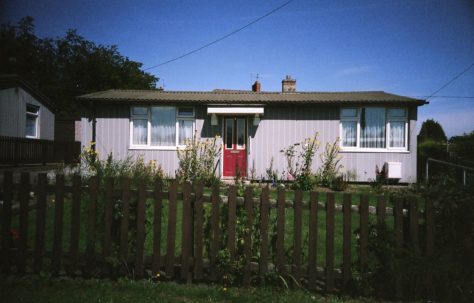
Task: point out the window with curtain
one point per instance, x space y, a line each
349 127
374 128
161 126
397 121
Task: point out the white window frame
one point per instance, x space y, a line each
184 118
388 118
148 118
397 119
356 119
36 115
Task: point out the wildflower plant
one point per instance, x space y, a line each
197 161
330 168
299 160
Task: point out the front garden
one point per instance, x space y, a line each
257 234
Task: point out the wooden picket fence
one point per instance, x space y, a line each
19 257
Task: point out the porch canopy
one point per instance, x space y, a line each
237 110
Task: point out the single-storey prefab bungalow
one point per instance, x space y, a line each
374 127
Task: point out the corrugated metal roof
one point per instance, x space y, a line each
247 97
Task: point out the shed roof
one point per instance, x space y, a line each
13 80
247 97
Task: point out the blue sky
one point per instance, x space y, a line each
404 47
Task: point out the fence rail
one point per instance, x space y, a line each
16 151
195 215
462 167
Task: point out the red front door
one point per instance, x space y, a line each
235 146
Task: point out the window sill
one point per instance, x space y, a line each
144 147
373 150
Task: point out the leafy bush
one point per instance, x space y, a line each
451 266
453 263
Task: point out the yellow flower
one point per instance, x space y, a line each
224 289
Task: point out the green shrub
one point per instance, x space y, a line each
451 266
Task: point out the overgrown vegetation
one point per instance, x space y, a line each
299 162
329 172
452 265
134 168
299 159
197 161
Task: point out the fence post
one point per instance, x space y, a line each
6 221
429 221
58 224
280 241
186 233
231 221
264 212
140 244
248 235
364 231
40 222
108 217
75 222
124 223
24 207
413 221
91 232
398 230
313 240
170 241
347 238
157 212
215 231
330 242
198 232
298 222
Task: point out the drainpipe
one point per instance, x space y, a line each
94 123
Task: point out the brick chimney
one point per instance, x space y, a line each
288 85
256 87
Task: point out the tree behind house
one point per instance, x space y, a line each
65 67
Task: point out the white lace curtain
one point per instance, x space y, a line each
185 131
349 133
140 132
397 134
163 126
372 127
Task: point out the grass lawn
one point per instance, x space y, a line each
42 290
